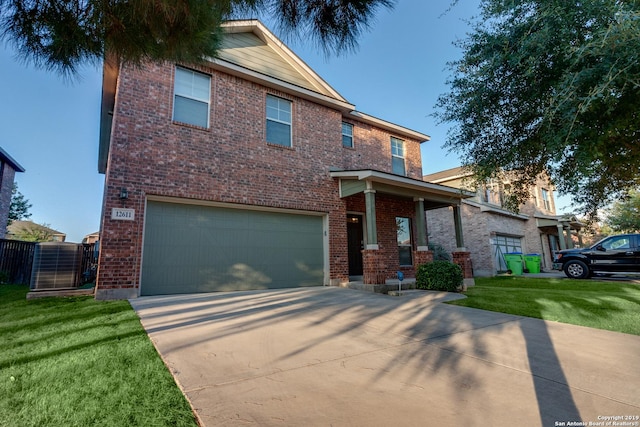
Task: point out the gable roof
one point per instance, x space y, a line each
6 158
251 46
18 227
447 175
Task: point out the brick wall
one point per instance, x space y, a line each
229 162
479 228
6 186
387 209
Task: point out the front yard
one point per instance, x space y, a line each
80 362
609 305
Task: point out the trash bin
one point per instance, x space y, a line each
514 263
532 262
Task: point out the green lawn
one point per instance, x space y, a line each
610 305
80 362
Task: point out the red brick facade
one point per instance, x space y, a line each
231 162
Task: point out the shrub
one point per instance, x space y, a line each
439 276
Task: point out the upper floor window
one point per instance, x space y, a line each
546 200
403 229
347 135
278 121
192 94
397 156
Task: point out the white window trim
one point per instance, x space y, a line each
207 101
350 136
290 124
396 156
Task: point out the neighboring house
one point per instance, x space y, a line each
490 230
251 172
91 238
8 169
30 231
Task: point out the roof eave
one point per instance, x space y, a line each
403 182
392 127
10 161
268 81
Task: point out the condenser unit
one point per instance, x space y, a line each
56 265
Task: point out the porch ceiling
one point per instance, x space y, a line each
550 222
434 195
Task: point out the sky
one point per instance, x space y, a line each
50 126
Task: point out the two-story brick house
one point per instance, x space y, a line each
251 172
490 230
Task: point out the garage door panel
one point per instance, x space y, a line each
192 248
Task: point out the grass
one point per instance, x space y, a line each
81 362
614 306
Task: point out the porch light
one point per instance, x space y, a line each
124 194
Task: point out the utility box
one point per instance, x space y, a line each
56 265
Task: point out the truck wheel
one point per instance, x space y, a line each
576 269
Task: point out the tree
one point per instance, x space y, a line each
624 214
550 86
34 233
19 207
60 35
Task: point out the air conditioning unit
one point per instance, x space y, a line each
56 265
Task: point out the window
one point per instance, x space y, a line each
546 201
278 121
192 92
614 243
397 156
403 228
347 135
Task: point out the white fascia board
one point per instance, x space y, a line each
400 130
262 32
400 181
278 84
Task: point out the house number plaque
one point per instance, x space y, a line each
122 214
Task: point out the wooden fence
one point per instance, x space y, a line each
16 259
16 262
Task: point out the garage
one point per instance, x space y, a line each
193 248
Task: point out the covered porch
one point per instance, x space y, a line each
386 202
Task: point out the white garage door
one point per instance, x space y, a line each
192 248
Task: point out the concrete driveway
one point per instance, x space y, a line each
338 357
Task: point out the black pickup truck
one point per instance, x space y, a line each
612 255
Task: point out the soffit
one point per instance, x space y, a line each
434 195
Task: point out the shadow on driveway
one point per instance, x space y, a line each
334 356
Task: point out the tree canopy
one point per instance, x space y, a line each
550 86
19 207
61 35
624 215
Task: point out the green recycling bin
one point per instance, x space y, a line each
514 263
532 262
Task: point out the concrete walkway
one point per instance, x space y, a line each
340 357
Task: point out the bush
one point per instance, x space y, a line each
439 276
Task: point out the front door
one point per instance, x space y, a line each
355 242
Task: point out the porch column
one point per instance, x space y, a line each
563 242
457 219
421 224
579 234
370 203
